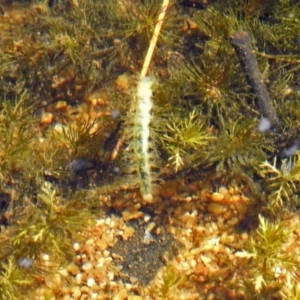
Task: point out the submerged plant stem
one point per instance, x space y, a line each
241 41
154 38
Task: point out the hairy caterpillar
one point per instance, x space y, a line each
141 136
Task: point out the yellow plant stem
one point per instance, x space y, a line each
154 39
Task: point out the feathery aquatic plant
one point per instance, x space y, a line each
184 138
268 259
49 226
281 180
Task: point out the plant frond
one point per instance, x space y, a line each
184 136
238 146
282 182
12 280
50 225
268 259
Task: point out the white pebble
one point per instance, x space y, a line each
46 257
147 217
148 238
58 127
76 246
25 262
264 125
87 266
100 221
290 151
90 282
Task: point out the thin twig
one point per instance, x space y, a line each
242 43
154 38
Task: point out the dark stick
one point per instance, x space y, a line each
242 44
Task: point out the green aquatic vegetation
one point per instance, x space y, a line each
50 158
50 226
81 140
107 36
281 181
170 279
63 54
209 79
279 33
140 21
268 261
76 45
69 46
216 27
237 146
168 285
291 290
253 9
85 139
13 280
256 8
184 137
16 135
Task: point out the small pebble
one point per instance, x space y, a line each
122 82
76 246
47 118
290 151
217 197
80 164
216 208
264 125
25 262
223 190
90 282
115 114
